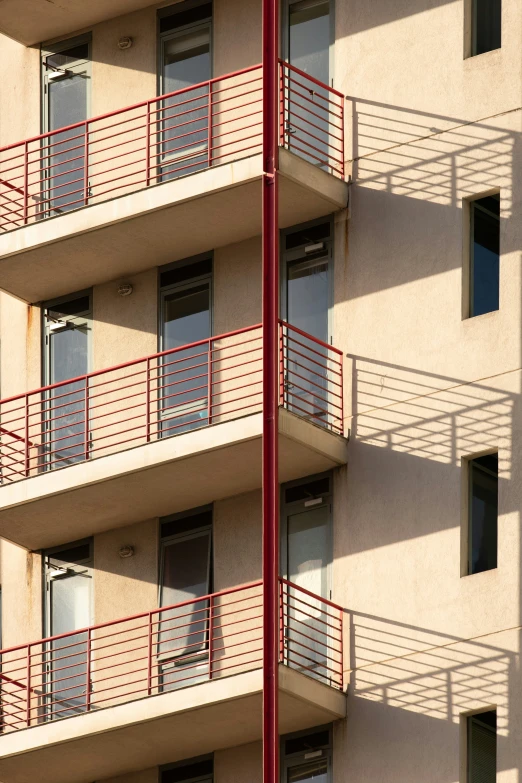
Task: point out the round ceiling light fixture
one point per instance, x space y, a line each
126 551
125 289
125 42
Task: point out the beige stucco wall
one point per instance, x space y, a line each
426 130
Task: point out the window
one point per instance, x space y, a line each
186 318
185 37
185 574
482 747
486 25
67 341
68 573
307 756
484 255
199 770
483 513
306 555
306 298
66 99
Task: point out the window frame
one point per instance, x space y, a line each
474 29
471 274
466 530
296 759
162 13
86 315
299 507
296 253
79 66
468 717
47 577
285 34
185 284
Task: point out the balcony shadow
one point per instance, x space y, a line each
408 683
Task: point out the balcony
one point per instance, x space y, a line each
176 682
30 21
105 198
99 449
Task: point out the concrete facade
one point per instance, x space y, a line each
428 128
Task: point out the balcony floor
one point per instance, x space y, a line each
158 225
159 478
161 729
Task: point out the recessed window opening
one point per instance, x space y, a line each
486 26
484 255
483 513
482 747
185 577
307 756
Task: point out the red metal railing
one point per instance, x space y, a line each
196 385
155 141
157 652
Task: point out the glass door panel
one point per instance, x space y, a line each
312 770
67 337
308 554
183 631
185 377
308 42
66 88
185 117
307 298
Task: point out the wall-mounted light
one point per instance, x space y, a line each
125 42
126 551
125 289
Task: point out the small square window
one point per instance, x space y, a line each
482 747
483 514
484 255
487 23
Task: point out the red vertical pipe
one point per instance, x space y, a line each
270 393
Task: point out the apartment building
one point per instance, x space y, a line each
132 170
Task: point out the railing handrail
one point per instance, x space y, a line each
159 355
324 86
158 610
310 337
131 363
132 107
138 616
309 593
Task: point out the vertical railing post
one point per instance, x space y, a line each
88 672
341 377
209 130
341 673
26 182
282 400
281 104
342 138
147 402
28 678
211 637
147 148
281 623
26 439
86 422
86 165
209 380
149 657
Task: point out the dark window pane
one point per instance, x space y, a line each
64 58
183 16
485 249
307 742
483 523
76 554
185 524
71 307
198 769
307 236
307 491
183 272
487 24
482 747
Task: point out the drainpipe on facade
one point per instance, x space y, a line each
270 34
